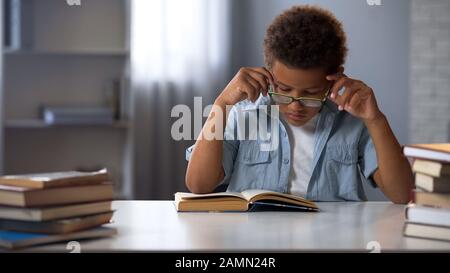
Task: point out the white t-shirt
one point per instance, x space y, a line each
301 139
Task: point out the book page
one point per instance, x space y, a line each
253 193
249 194
188 195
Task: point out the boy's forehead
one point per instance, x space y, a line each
295 77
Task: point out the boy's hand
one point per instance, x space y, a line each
358 99
248 83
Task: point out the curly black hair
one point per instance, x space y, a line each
306 37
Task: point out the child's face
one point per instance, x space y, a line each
310 83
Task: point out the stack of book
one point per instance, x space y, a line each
52 207
429 215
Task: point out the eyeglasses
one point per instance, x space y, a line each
305 101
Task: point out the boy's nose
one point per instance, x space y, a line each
296 106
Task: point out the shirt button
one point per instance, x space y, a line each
284 134
286 161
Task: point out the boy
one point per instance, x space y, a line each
330 141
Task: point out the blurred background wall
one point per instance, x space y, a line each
168 51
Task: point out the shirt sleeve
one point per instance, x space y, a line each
228 158
367 156
230 147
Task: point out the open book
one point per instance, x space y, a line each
245 201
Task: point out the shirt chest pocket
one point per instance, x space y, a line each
252 167
250 153
343 154
342 171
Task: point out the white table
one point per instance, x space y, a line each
351 226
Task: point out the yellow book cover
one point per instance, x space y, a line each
248 200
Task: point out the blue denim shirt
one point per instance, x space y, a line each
344 156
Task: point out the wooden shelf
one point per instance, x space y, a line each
80 53
54 48
40 124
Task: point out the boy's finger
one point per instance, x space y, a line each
254 94
337 86
253 82
248 89
265 72
350 93
342 99
357 86
256 84
334 77
353 101
262 80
